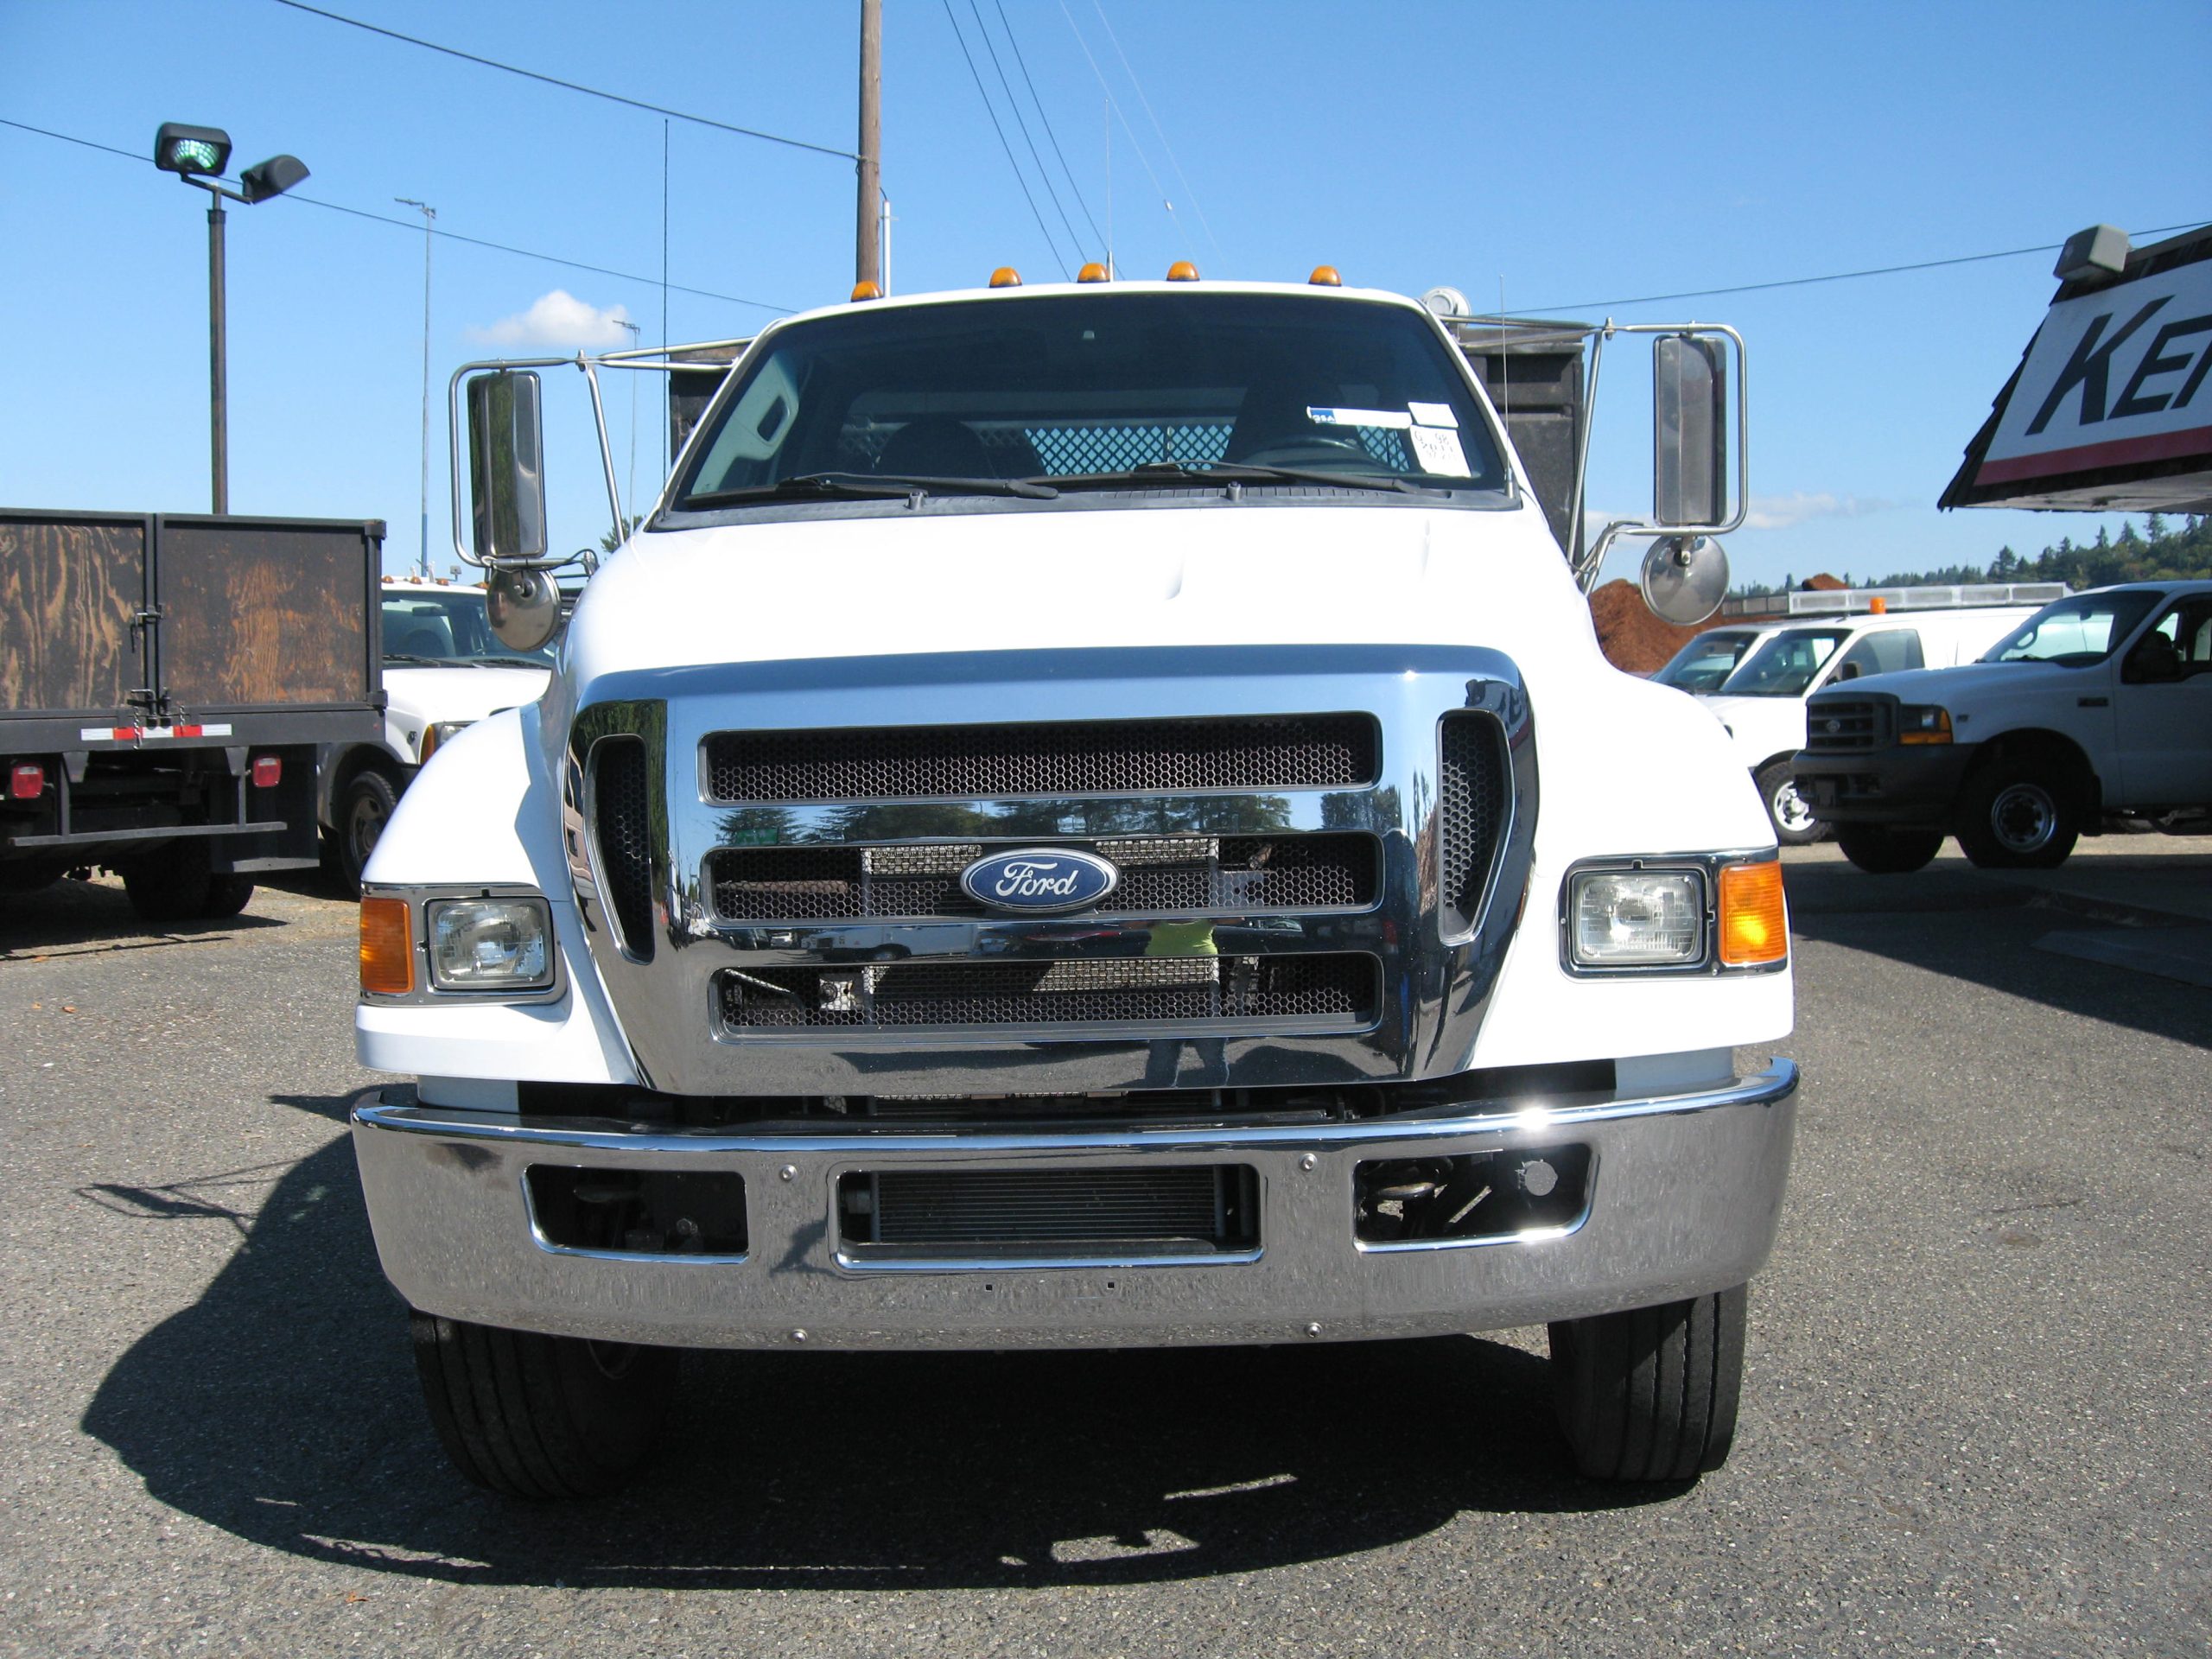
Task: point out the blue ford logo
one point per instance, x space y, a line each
1040 879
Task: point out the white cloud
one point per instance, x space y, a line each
1781 512
559 319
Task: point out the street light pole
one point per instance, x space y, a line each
429 213
219 400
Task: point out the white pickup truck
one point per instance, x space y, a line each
2099 703
1088 816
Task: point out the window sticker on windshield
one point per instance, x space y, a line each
1396 419
1433 415
1437 448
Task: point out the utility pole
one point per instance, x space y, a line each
219 391
429 213
868 266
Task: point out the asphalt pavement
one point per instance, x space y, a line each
1975 1419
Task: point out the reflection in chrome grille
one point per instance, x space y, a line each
1194 875
1132 757
624 843
1337 990
1473 816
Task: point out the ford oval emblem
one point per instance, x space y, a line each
1039 880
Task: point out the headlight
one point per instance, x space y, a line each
1923 724
433 736
491 945
1636 919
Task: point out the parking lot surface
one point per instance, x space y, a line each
1975 1419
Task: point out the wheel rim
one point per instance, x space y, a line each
1790 809
2023 817
364 828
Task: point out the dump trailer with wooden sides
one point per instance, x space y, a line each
165 680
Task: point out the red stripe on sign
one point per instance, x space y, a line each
2117 452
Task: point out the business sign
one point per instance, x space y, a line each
2109 409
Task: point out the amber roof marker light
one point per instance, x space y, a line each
1093 272
1005 277
1182 271
1324 276
866 291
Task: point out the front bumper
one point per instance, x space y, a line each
1906 784
1686 1192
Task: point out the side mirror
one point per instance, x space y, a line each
506 451
524 608
1685 578
1689 424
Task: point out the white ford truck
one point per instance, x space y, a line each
1087 815
2099 704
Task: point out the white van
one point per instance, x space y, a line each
1706 661
1762 704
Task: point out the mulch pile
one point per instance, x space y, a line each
1637 642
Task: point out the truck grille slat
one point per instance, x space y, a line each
1184 875
622 817
1841 724
1131 756
1334 990
1471 816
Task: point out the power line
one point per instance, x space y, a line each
571 85
1021 121
1843 276
449 236
1055 137
1189 195
1135 142
1003 145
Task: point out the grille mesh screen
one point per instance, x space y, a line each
1193 875
1471 814
1131 756
624 838
1339 989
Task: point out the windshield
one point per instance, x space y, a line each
1082 391
1785 665
2074 632
1703 663
438 626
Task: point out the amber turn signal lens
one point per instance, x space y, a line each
387 947
1754 921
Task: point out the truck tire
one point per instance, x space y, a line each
1788 811
541 1417
1880 850
363 811
178 884
2017 815
1650 1394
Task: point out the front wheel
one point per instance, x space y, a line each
2014 816
1880 850
363 812
1791 814
537 1416
1651 1393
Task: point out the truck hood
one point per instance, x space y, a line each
1967 684
1169 574
424 696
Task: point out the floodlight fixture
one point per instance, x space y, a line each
271 178
191 152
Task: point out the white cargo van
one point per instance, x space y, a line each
1762 704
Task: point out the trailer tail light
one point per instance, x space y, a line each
26 780
268 771
387 947
1754 921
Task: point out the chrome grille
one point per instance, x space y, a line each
1139 756
1337 990
1843 724
1190 875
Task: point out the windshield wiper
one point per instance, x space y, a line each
1154 472
866 486
419 662
513 662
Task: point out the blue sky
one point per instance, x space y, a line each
1564 155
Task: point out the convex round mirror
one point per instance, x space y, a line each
524 608
1685 578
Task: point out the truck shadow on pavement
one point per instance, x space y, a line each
283 1408
1951 920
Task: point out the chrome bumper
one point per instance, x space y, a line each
1686 1191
